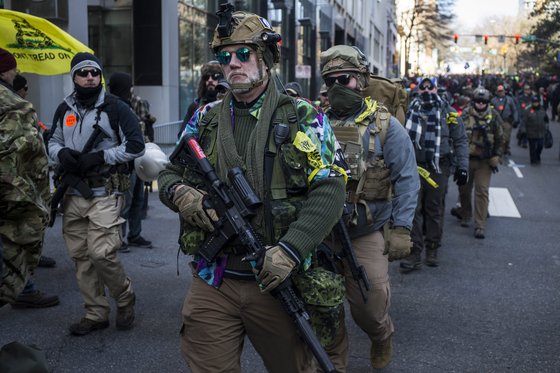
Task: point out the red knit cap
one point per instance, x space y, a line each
7 61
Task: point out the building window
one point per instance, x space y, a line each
110 36
196 27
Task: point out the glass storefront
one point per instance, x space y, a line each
110 36
197 21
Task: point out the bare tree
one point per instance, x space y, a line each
544 41
428 23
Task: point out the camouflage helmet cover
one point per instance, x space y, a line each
249 28
342 58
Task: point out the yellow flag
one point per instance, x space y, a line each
38 46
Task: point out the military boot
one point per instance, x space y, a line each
431 254
411 262
381 353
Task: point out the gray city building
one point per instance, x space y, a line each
163 43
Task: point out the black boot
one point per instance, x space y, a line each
431 254
411 262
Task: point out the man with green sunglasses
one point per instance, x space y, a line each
255 128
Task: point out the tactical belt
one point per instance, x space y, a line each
96 181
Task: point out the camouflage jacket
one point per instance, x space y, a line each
23 160
24 192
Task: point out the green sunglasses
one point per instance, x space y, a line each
224 57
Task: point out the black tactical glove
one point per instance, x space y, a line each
69 160
461 177
90 160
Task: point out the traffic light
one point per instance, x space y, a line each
455 38
485 39
517 37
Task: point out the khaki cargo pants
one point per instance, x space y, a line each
372 317
216 321
91 229
480 174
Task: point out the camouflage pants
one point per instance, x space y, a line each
372 317
91 230
216 321
19 259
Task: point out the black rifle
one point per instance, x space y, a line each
358 272
235 205
68 180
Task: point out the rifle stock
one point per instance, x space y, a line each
236 207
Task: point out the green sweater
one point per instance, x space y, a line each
319 213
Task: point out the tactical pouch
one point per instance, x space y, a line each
191 240
323 293
377 182
117 182
283 212
293 166
350 142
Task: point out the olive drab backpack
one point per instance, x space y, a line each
390 93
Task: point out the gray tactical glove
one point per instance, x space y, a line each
276 267
398 244
189 202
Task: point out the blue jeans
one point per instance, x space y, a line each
132 211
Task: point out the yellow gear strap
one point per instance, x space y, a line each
426 175
303 143
371 107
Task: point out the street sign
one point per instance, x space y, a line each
502 38
467 65
303 71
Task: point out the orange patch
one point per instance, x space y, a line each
71 120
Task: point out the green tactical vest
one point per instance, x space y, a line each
288 179
480 133
362 145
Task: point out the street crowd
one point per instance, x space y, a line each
351 181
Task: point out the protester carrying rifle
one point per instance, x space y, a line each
265 134
95 137
382 192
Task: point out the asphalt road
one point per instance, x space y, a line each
492 305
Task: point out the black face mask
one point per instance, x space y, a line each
87 96
428 99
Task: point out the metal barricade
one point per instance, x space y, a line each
165 135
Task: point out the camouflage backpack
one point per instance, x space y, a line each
390 93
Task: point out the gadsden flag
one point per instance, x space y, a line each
39 46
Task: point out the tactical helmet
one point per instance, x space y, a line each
345 58
342 58
481 94
246 28
149 165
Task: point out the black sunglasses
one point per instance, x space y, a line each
480 102
84 72
324 94
341 79
215 76
426 87
224 57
